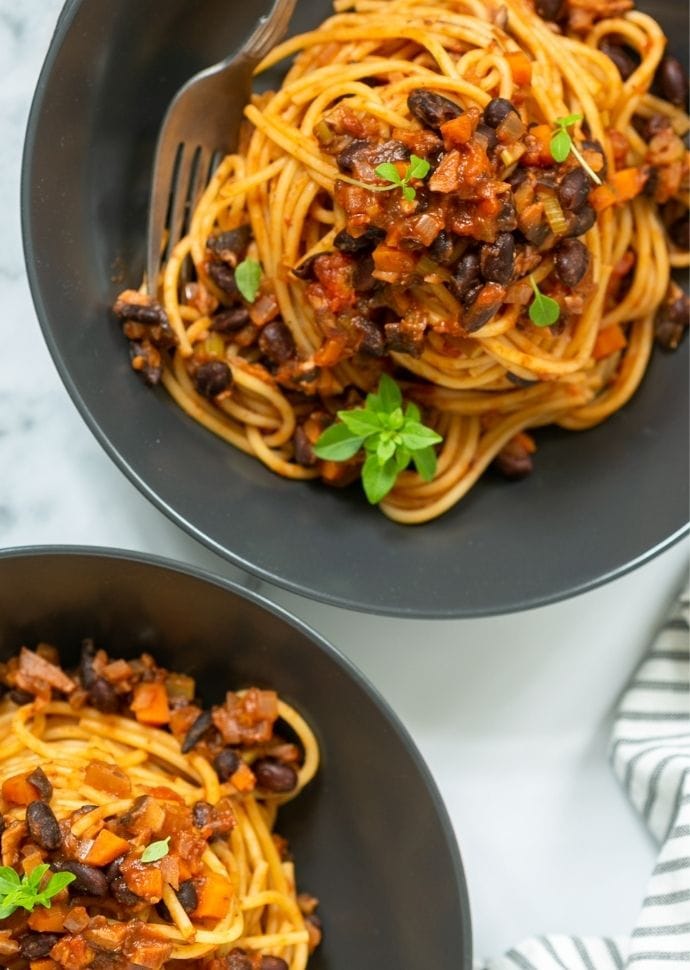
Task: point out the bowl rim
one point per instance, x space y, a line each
265 573
154 562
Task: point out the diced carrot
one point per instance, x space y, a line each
331 352
608 342
51 920
526 441
32 860
458 131
46 964
214 897
520 67
539 146
165 794
18 791
621 187
107 777
243 778
389 260
150 704
106 848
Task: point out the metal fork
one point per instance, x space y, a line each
200 127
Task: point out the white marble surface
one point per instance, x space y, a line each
512 713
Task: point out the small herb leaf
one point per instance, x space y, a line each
338 443
417 436
389 394
419 168
385 449
543 310
361 422
425 463
389 172
378 479
409 193
561 143
248 279
156 850
24 892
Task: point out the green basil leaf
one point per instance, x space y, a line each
560 145
59 881
156 850
389 172
361 421
419 167
36 875
568 120
337 443
412 412
416 436
6 910
409 193
9 879
425 463
378 479
389 394
248 279
544 311
402 458
385 449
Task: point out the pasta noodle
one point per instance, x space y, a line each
114 783
268 375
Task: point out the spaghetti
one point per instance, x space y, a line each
162 812
434 284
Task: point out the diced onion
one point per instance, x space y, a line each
554 214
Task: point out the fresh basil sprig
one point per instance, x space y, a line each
25 891
562 144
248 279
391 437
544 311
417 169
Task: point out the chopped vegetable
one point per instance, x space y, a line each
215 895
621 187
520 67
390 437
417 169
150 704
156 850
608 341
106 848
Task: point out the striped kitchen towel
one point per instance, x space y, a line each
650 754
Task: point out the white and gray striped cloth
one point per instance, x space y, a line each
650 754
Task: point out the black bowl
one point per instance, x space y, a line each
370 835
598 503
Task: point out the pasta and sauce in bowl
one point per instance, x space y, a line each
189 778
408 279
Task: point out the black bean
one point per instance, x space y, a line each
89 880
187 895
679 233
122 894
35 946
572 261
496 259
574 189
235 241
113 870
472 292
652 183
305 269
674 80
349 156
226 763
43 826
443 247
212 378
480 312
273 963
237 959
372 343
580 222
401 341
357 244
621 56
228 321
39 780
507 220
466 275
223 276
202 814
273 775
487 132
671 322
20 697
304 453
276 342
496 110
147 313
86 671
550 9
513 464
103 696
196 732
390 151
362 274
431 109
